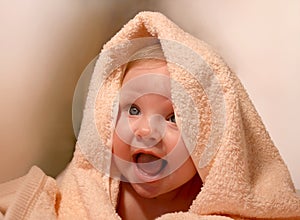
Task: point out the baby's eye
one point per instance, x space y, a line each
134 110
171 118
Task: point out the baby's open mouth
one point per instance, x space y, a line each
149 164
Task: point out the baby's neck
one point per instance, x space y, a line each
132 206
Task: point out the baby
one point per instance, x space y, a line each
158 174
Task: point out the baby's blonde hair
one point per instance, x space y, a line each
152 52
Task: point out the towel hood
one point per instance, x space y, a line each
242 171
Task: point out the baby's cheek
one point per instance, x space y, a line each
172 139
123 129
119 148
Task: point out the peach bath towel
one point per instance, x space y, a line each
243 175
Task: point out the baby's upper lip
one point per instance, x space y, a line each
144 144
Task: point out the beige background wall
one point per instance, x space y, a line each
45 46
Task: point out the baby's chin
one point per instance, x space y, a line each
151 190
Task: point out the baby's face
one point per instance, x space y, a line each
147 145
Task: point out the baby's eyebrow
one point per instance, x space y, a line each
129 96
165 107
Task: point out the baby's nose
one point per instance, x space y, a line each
150 128
143 131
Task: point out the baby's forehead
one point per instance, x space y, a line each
145 83
146 66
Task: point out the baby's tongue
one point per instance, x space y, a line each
149 164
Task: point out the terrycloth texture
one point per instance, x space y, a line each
35 197
244 176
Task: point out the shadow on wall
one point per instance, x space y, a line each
46 46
